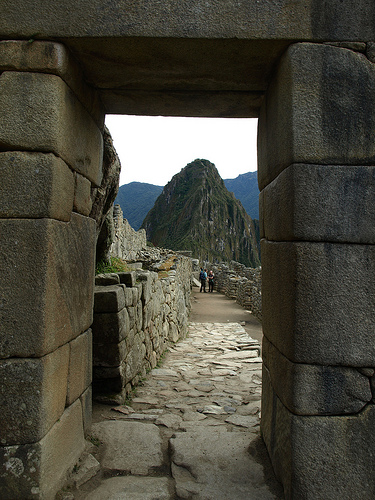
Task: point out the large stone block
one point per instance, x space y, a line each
318 109
38 470
109 299
109 354
319 457
318 302
128 278
111 327
131 446
321 203
315 389
39 112
33 394
80 366
35 185
53 58
82 195
46 283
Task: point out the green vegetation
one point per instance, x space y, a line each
196 212
115 265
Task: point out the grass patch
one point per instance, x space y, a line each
116 265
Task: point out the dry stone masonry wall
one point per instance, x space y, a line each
241 283
127 242
136 315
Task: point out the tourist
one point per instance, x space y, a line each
203 278
210 281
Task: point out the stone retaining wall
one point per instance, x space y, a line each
136 315
241 283
127 242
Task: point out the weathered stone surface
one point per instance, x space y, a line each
107 279
222 52
313 389
105 354
38 470
312 292
33 394
204 469
136 488
87 469
127 242
109 299
80 366
370 51
111 327
105 194
52 58
46 283
86 402
35 185
128 278
319 457
82 195
131 447
308 114
32 118
300 203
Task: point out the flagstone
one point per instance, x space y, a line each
130 446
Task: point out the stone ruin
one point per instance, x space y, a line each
137 314
306 69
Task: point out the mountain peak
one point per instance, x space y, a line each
196 212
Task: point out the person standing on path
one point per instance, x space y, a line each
203 278
210 281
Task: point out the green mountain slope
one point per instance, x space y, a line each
136 199
245 188
196 212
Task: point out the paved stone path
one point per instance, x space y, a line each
191 432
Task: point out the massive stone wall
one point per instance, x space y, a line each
136 316
241 283
127 242
51 123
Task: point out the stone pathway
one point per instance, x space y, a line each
191 432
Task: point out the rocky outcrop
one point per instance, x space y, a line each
104 196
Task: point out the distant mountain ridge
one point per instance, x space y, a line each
137 198
245 188
196 212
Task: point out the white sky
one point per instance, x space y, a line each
154 149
